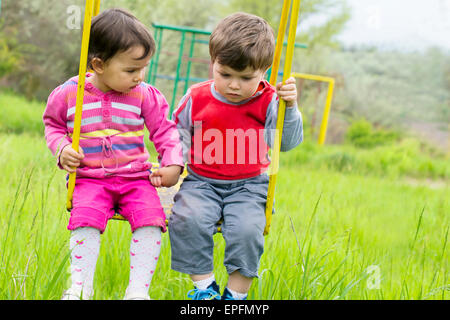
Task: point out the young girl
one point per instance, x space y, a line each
113 171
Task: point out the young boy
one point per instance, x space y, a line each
226 126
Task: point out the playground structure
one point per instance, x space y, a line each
92 8
153 70
326 110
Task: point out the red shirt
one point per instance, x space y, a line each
228 140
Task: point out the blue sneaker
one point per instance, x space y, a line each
210 293
228 296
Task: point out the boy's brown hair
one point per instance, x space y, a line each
241 40
117 30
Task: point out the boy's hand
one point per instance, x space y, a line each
166 176
288 91
69 159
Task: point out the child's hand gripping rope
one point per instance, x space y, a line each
288 91
69 159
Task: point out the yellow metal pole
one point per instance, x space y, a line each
279 43
326 111
96 7
281 113
80 93
311 77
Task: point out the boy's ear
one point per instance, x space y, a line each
98 65
265 73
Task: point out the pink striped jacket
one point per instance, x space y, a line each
112 129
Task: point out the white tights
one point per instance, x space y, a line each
145 246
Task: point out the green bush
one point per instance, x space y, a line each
340 161
361 134
406 157
10 56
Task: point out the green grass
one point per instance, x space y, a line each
336 228
20 115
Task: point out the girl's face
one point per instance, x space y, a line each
234 85
123 72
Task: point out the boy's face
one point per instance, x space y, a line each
123 72
234 85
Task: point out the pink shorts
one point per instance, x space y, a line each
96 200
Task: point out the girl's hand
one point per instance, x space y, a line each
288 91
69 159
166 176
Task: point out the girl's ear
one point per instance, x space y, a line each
98 65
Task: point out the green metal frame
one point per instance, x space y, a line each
193 32
153 71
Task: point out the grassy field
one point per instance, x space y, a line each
350 224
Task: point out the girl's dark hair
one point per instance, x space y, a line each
117 30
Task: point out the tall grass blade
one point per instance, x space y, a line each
56 276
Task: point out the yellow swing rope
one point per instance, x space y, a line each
92 9
282 104
279 43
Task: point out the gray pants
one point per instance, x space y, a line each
199 205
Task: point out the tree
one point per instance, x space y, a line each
10 52
50 33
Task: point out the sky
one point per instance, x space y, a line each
400 24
